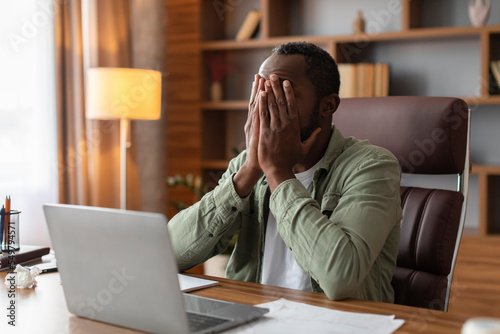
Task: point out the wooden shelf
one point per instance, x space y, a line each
486 187
418 33
485 169
225 105
482 100
332 40
260 43
211 125
423 33
214 164
243 105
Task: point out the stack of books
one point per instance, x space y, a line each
364 80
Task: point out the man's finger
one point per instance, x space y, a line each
291 105
263 111
255 86
273 108
256 117
252 109
279 98
253 91
256 123
254 130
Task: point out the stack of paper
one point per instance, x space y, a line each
290 317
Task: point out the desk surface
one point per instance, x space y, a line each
43 309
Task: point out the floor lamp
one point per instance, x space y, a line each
124 94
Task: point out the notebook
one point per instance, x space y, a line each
26 253
118 267
188 283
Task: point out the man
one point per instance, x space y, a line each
314 210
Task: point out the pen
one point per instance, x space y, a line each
2 215
6 221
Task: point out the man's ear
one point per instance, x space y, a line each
329 105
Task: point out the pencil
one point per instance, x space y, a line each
2 216
7 221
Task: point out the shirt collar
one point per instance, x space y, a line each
334 149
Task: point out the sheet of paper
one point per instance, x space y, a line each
189 283
290 317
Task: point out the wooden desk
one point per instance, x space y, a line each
43 309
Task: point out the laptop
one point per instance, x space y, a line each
118 267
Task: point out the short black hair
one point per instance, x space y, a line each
321 69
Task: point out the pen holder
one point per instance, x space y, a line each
10 232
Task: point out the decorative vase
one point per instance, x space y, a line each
216 91
479 12
358 26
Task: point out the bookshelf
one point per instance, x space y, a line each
489 180
213 29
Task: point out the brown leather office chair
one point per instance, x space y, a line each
428 135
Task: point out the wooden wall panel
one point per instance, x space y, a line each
183 94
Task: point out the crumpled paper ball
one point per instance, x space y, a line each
24 278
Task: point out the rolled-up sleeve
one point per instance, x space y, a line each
206 228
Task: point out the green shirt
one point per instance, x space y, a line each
345 233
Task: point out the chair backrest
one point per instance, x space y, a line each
428 135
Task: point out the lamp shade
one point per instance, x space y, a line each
123 93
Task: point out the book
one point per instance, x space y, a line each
385 80
9 260
365 80
347 80
381 85
495 69
249 26
378 80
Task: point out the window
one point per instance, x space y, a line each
28 129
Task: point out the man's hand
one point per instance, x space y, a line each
250 172
280 147
252 126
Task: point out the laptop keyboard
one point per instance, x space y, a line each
199 322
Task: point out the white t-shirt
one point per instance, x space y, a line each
279 267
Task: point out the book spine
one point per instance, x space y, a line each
249 25
495 69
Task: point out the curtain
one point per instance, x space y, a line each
71 129
111 33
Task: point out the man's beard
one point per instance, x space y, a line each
313 124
